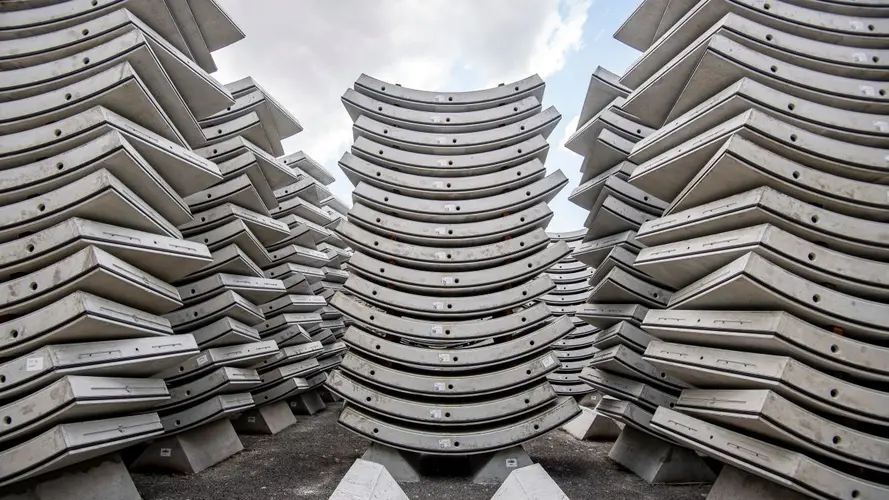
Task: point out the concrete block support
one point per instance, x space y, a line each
368 481
191 451
658 461
99 479
529 483
734 484
270 419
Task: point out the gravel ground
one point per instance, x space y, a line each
308 460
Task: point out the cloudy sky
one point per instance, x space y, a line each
308 52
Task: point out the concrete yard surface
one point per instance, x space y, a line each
307 461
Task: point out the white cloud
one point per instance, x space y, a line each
307 53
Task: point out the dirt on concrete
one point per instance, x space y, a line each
307 461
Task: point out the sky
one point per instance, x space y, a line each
306 53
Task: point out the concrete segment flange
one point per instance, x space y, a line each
622 388
586 194
196 366
266 229
625 362
251 288
607 150
227 303
238 190
228 259
607 315
612 118
592 253
299 162
622 333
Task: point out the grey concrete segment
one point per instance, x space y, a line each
622 333
431 143
76 398
251 288
620 287
460 442
228 259
567 236
292 335
452 164
765 413
474 186
288 388
255 117
470 358
293 304
447 282
450 101
439 413
290 270
570 288
302 162
756 283
444 385
763 205
602 90
639 393
581 276
367 480
266 229
623 361
607 315
302 208
304 187
614 186
227 303
217 408
612 118
628 415
436 307
622 258
592 253
649 21
223 380
192 451
166 258
593 426
578 298
790 378
310 321
455 233
105 477
332 348
302 232
287 356
249 126
332 275
732 482
495 468
462 210
607 150
67 444
93 271
586 194
358 104
99 196
788 468
78 317
304 368
614 216
269 419
238 190
772 332
262 168
692 259
529 483
195 366
435 332
296 254
307 403
657 461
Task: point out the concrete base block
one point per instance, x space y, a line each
368 481
659 461
98 479
328 397
735 484
191 451
529 483
270 419
307 403
494 468
592 425
401 466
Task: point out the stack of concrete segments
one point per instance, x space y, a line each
769 150
450 347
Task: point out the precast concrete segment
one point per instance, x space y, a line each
304 163
601 91
78 317
77 398
264 123
751 166
289 355
707 67
183 169
482 141
435 307
208 360
358 105
292 304
568 236
614 216
765 413
791 469
467 187
607 315
99 196
274 171
213 409
581 276
224 332
680 264
469 358
439 413
450 101
335 275
227 303
436 332
203 94
455 234
302 208
223 380
625 362
246 164
110 152
228 259
641 394
235 233
622 333
619 287
452 164
115 358
298 255
254 289
829 58
449 385
302 233
592 253
249 95
451 283
772 332
612 118
570 288
569 299
118 88
586 194
310 321
288 388
267 229
93 271
166 258
649 21
630 415
850 235
67 444
565 266
622 258
290 336
752 282
607 150
274 377
249 126
461 210
460 442
706 368
236 190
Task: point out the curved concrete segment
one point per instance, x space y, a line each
223 380
623 388
607 315
625 362
228 303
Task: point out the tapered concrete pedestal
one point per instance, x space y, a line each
270 419
100 479
401 466
593 426
659 461
495 467
368 481
191 451
529 483
735 484
307 403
